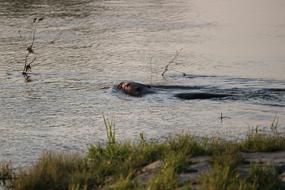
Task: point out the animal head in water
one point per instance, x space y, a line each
133 88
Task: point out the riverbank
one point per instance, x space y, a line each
180 162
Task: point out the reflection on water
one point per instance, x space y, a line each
84 47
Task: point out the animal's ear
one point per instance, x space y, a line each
127 84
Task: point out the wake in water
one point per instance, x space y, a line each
255 95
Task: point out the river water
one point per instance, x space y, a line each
84 47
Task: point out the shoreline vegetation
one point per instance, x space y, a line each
180 162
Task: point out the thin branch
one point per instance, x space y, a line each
21 38
34 37
171 61
19 32
150 64
56 37
32 61
30 48
36 64
25 61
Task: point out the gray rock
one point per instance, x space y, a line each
200 159
144 178
148 172
198 167
153 166
243 170
193 187
276 159
191 178
265 157
193 171
189 187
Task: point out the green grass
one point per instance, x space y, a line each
225 176
117 165
256 141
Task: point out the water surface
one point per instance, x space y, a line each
84 47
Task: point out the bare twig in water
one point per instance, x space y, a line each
223 117
21 38
20 35
28 68
30 47
150 64
25 66
170 62
28 65
56 37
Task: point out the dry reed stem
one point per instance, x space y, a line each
171 61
